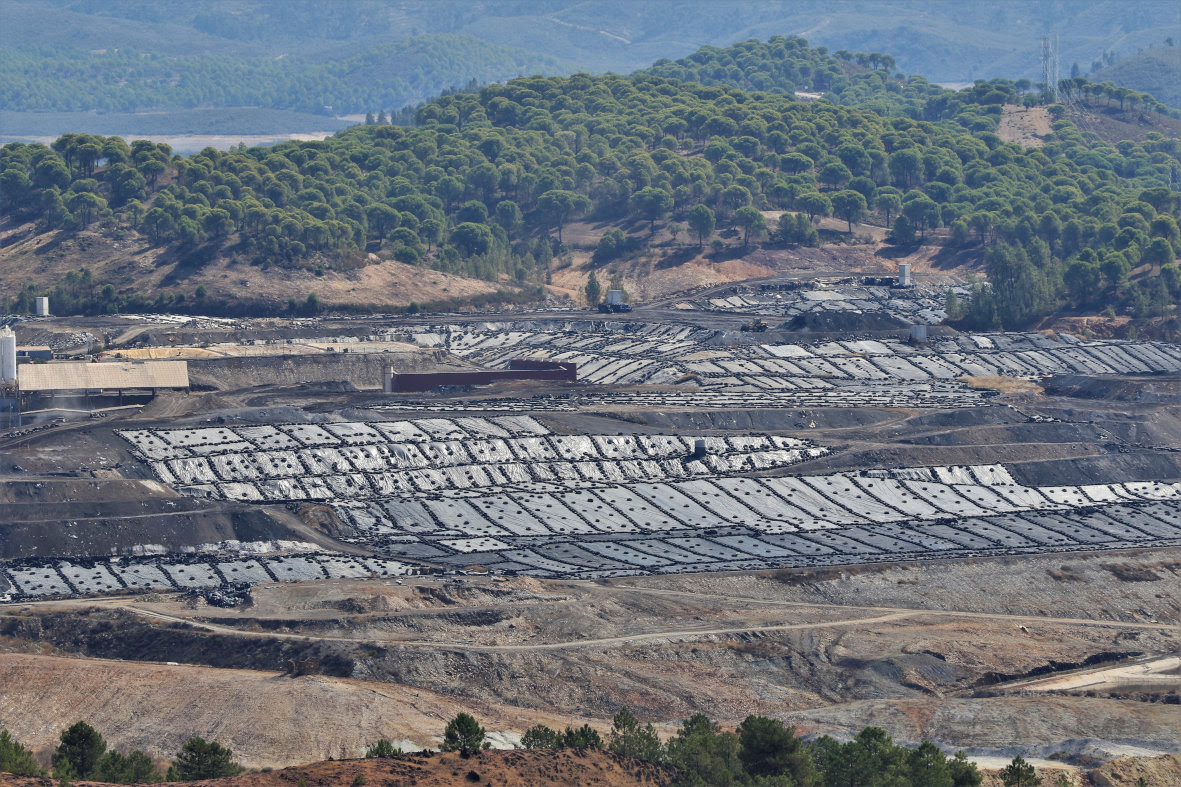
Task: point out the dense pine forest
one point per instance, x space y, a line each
129 81
485 180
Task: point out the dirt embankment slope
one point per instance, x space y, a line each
45 259
903 647
1129 770
266 718
1044 726
359 369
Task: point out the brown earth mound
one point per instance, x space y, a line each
277 720
1129 770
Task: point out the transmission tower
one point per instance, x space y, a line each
1050 66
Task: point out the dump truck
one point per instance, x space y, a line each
756 326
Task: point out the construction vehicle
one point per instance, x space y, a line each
756 326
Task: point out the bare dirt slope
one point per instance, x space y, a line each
673 271
1043 724
1128 770
1112 124
644 282
1026 126
28 258
275 720
906 647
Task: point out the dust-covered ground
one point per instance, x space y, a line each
923 650
931 648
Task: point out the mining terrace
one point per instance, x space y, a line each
801 497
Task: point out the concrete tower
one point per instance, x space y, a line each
7 356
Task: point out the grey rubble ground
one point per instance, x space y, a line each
856 494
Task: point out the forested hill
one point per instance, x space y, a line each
486 182
1156 71
866 80
788 65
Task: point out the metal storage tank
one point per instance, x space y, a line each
7 355
41 306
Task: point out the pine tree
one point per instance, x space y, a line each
16 759
594 290
201 759
464 735
80 748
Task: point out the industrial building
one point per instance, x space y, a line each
99 378
27 381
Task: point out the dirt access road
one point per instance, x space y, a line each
847 615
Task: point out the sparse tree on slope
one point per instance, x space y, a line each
1019 773
850 206
594 290
383 748
16 759
751 221
80 749
134 768
770 749
561 205
651 203
202 759
702 223
629 739
540 736
464 735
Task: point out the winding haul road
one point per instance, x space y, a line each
869 615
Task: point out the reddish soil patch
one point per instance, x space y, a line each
543 767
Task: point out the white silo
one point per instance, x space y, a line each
904 274
41 306
7 355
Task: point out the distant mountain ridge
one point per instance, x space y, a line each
492 41
484 182
387 76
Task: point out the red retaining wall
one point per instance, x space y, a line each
519 369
